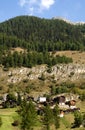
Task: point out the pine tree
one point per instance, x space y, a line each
19 100
28 115
48 117
56 116
78 118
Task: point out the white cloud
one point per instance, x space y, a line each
46 4
36 5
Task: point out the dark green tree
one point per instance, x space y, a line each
28 115
56 117
53 89
16 58
48 117
20 61
78 118
83 123
19 100
10 101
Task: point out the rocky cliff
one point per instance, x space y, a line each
60 72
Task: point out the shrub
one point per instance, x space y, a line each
49 70
78 119
25 80
0 121
42 77
15 123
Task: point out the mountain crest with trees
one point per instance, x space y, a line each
41 34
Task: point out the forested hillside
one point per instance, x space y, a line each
38 37
39 34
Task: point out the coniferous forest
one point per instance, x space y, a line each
39 36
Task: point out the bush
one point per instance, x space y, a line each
15 123
82 97
49 70
25 80
42 77
78 118
0 121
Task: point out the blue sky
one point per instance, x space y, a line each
73 10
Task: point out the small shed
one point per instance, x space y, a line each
62 100
42 99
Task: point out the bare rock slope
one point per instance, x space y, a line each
60 72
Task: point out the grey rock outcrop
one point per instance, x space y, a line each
60 72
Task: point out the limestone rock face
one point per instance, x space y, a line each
60 72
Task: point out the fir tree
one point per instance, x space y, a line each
28 115
56 116
48 117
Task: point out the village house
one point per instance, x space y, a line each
41 99
72 104
65 101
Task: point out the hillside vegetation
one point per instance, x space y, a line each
41 58
27 41
37 37
41 34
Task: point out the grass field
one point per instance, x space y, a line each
77 56
66 123
9 115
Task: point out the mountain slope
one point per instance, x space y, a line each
44 34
